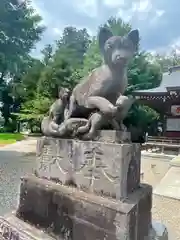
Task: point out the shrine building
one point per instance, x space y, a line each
165 99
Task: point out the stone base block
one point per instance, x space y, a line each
109 169
14 228
72 214
112 136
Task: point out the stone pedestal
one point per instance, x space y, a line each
13 228
102 167
72 214
85 190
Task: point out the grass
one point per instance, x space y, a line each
8 138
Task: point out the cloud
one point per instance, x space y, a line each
39 9
87 7
114 3
157 20
142 6
57 31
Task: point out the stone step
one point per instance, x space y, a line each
159 156
175 162
169 186
12 227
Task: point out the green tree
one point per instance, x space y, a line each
24 87
64 68
20 29
73 45
33 111
166 61
55 75
47 54
143 74
117 26
92 58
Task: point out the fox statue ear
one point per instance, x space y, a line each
104 35
134 37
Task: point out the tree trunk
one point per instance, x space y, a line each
2 77
18 126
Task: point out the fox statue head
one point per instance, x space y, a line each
117 50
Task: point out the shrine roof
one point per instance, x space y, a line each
170 81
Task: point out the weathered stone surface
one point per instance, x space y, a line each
13 228
74 214
100 167
112 136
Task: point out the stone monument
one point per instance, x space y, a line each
87 182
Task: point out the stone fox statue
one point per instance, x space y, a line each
109 81
57 109
50 124
98 120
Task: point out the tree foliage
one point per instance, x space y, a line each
56 74
166 61
35 109
20 29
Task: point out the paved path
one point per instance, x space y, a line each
14 163
167 211
21 147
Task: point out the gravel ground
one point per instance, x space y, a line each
16 161
167 211
153 170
